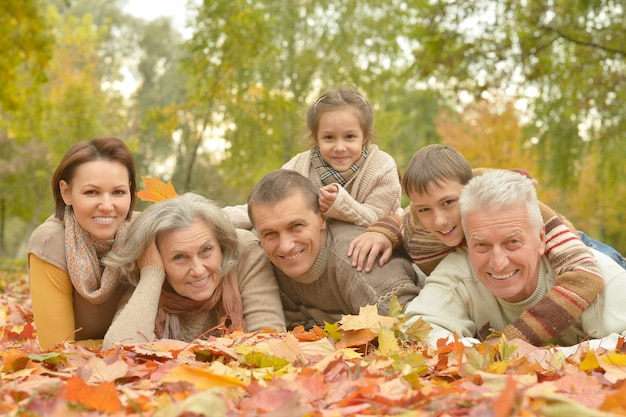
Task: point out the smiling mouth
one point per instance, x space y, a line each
447 232
104 220
199 282
503 276
292 257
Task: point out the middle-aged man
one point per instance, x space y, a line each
503 270
316 278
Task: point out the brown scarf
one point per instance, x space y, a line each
330 176
83 253
225 302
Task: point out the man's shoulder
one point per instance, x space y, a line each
246 236
342 232
455 265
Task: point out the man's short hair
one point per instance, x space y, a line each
280 184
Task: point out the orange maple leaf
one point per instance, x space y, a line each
102 397
156 190
503 405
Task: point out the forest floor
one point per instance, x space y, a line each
358 367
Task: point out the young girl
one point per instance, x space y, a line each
193 273
74 298
431 228
358 183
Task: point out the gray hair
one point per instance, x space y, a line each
171 215
501 190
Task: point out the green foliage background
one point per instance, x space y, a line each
532 84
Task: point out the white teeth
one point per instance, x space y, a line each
199 282
104 219
289 258
509 275
445 232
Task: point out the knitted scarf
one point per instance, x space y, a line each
328 175
83 253
225 302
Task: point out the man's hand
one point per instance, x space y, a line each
327 196
150 256
365 249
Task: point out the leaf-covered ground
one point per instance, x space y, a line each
354 368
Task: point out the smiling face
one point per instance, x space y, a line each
192 258
99 194
505 251
290 232
439 212
340 138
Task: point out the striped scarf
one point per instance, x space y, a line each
328 175
83 253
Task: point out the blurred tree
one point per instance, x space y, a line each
488 134
257 66
73 104
26 45
565 59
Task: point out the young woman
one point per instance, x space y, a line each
74 298
193 273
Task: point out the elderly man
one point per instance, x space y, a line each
309 254
503 270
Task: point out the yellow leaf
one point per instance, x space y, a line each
590 362
156 190
616 358
419 330
332 329
387 342
395 308
201 378
498 367
262 360
368 318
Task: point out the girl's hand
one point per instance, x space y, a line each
327 196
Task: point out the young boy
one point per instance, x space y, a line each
430 228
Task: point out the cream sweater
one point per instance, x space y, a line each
454 300
373 193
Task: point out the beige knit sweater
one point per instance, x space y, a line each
373 193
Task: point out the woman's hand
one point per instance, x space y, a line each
151 257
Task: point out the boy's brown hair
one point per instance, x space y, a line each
433 164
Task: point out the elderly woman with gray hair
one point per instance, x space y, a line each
192 272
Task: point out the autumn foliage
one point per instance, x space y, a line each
363 365
360 366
